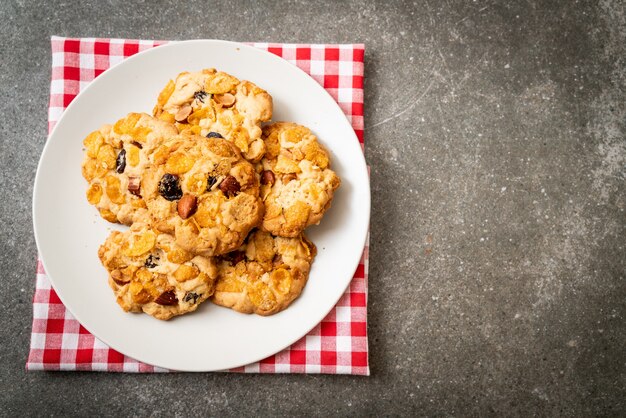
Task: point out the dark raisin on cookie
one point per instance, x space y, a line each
214 135
210 182
200 95
169 187
151 261
167 298
120 162
191 297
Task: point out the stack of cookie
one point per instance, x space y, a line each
216 202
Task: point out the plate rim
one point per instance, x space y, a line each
365 204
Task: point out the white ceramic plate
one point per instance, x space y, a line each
69 231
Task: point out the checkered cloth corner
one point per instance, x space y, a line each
337 345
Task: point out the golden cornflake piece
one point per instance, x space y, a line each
179 163
230 284
238 119
160 155
281 280
194 118
141 134
223 149
138 293
294 135
263 247
166 93
92 143
167 117
316 155
132 155
197 183
205 278
203 217
179 256
106 156
220 83
108 215
314 191
189 129
286 165
261 295
186 272
273 211
138 204
298 213
94 193
127 124
139 244
89 170
241 138
113 190
306 245
143 275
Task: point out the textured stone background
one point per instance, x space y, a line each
496 136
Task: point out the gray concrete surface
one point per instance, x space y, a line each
496 136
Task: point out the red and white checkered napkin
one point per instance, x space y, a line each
337 345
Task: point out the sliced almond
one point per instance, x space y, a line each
226 99
119 278
183 113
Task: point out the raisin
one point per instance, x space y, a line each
267 177
151 261
120 162
210 182
137 144
230 186
169 187
200 95
167 298
191 297
214 135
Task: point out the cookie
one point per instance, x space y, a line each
149 273
297 184
115 158
211 102
265 275
203 192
